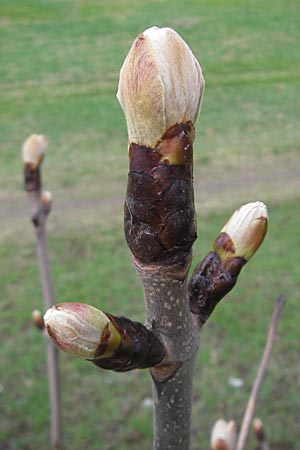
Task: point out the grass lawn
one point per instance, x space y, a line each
58 76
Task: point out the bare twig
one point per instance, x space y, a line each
260 374
33 152
51 350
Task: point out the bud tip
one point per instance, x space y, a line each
161 85
79 330
33 150
223 435
243 234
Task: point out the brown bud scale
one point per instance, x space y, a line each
212 279
32 178
160 221
224 242
139 348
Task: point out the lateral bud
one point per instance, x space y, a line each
258 429
223 435
46 200
217 273
114 343
33 153
243 234
38 319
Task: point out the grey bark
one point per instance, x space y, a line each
169 316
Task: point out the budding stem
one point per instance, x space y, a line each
34 148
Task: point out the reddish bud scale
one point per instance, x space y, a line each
38 319
212 279
160 223
32 178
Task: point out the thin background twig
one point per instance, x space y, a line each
260 374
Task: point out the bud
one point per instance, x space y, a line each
38 319
82 330
161 85
258 429
223 435
46 199
33 150
110 342
243 233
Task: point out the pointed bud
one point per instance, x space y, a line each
223 435
161 85
38 319
82 330
243 233
46 199
33 150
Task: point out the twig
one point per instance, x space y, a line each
33 152
51 350
260 374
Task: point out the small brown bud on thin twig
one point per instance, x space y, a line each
259 433
258 429
223 435
33 152
46 200
38 319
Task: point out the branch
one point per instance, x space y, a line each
33 152
217 273
260 374
160 90
110 342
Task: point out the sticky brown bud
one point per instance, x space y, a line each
160 90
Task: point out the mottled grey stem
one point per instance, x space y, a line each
39 222
168 315
260 375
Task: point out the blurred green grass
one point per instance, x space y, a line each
59 73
